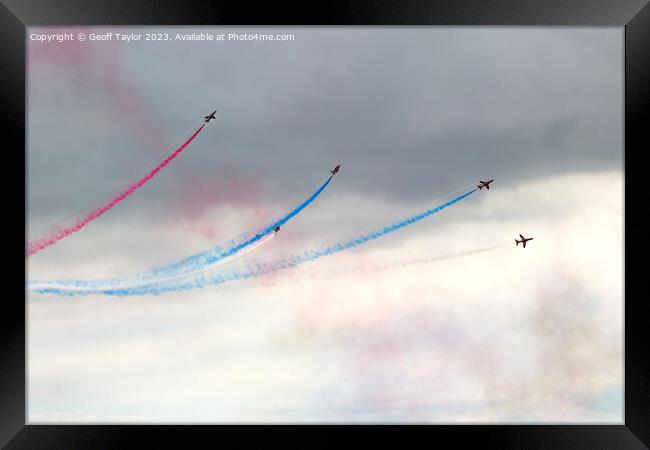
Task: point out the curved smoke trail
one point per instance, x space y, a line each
227 260
262 269
195 263
202 260
34 247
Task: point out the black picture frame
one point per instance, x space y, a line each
633 15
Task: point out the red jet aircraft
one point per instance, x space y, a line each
523 240
484 184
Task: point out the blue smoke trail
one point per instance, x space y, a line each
197 262
224 276
201 260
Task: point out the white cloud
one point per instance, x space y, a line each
505 335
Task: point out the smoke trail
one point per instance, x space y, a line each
377 268
204 259
195 263
203 281
373 268
80 287
145 167
38 245
439 258
100 68
227 260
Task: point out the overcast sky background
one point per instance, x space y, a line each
411 114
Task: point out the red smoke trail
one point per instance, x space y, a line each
38 245
97 70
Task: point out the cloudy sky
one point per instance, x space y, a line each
506 335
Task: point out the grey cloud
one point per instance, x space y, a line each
406 111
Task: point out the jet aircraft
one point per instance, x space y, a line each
484 184
523 240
